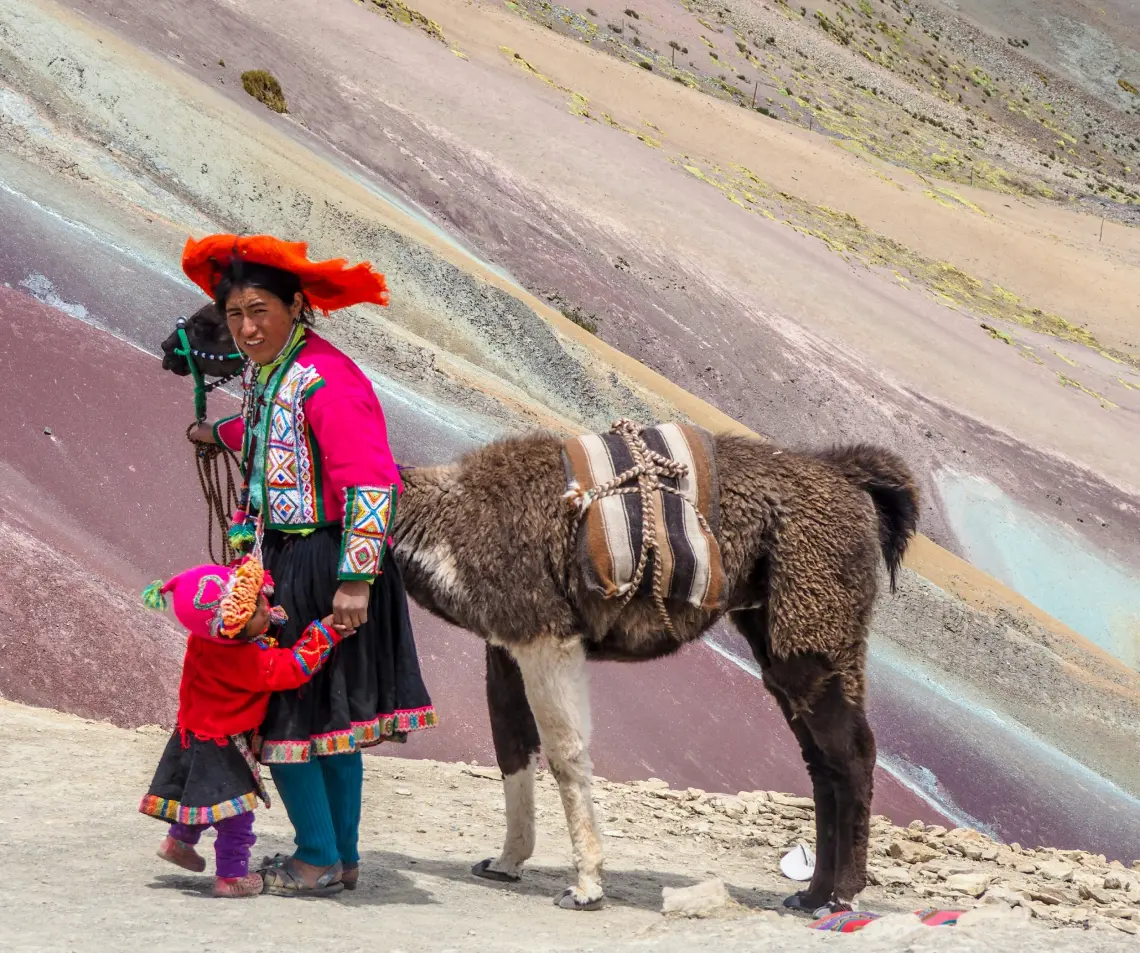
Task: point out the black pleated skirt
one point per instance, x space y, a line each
370 689
203 781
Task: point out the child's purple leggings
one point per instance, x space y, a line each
232 845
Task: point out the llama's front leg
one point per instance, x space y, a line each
516 750
554 672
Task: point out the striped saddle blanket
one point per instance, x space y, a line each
609 541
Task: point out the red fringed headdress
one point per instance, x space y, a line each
329 285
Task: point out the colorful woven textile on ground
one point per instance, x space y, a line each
610 535
847 921
851 920
938 918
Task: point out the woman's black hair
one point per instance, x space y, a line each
281 284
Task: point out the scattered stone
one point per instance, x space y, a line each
732 806
1056 870
910 852
1126 926
1002 894
486 774
945 870
787 800
670 795
890 876
1047 895
702 900
654 784
1025 867
1092 892
998 912
971 884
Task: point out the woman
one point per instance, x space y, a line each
320 491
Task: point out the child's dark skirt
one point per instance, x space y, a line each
203 781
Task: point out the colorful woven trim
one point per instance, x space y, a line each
362 734
169 810
368 512
284 752
313 648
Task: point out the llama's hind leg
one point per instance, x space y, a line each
554 672
819 891
753 625
516 750
839 747
840 729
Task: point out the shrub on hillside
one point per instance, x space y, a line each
263 86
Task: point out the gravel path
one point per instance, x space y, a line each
71 787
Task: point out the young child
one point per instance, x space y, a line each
208 775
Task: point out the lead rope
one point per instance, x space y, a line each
208 459
648 469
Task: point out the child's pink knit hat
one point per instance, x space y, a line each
212 600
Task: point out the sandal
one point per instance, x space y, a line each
350 876
277 860
281 881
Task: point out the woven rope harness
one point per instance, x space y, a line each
208 458
649 467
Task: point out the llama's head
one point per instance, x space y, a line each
211 342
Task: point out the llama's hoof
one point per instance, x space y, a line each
484 870
802 902
572 898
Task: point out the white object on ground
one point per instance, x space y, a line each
798 863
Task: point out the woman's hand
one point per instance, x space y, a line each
350 606
201 433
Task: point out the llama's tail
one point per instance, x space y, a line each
888 481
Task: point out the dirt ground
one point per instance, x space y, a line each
76 784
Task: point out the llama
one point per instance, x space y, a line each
485 543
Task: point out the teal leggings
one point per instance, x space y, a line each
322 799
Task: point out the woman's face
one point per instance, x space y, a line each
260 322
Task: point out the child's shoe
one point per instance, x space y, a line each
181 855
248 886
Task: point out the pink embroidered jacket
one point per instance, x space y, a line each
326 460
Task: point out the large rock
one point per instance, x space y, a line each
702 900
972 884
1056 870
911 852
889 876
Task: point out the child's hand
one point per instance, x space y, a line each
345 631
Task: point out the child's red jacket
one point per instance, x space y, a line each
226 684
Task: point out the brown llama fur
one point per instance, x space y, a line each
484 543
